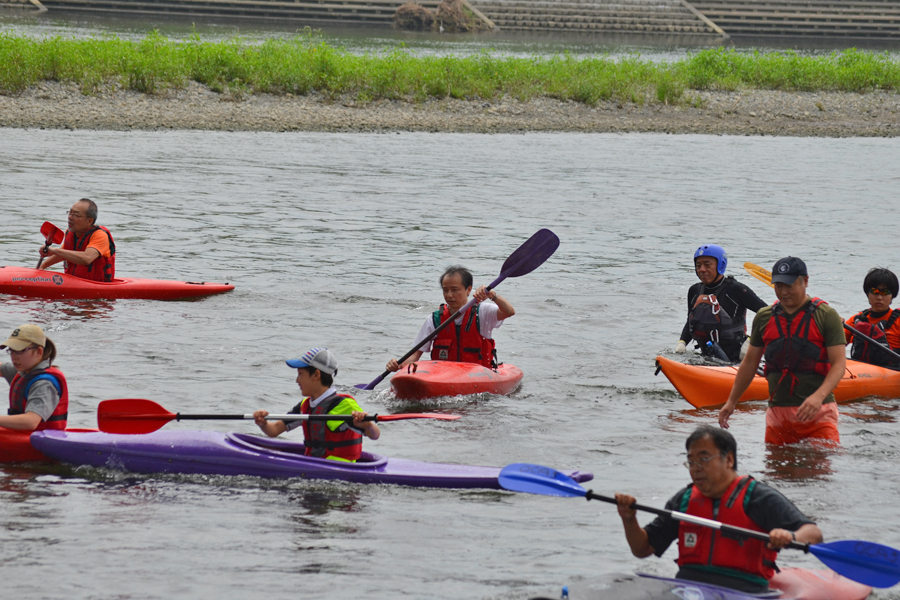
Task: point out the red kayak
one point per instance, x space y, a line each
433 378
35 283
15 446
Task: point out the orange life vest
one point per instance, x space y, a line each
462 342
103 268
18 396
704 548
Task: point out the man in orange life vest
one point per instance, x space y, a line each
717 492
38 394
878 321
89 249
803 341
471 340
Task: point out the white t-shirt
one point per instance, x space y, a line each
487 318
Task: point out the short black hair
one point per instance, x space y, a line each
723 440
326 379
91 212
882 279
458 270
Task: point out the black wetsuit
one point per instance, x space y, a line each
734 298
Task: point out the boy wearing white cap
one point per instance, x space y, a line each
334 440
38 394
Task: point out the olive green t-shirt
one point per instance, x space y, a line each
829 323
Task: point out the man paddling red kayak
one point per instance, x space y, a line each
719 493
334 440
88 249
472 339
38 394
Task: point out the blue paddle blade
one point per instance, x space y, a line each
535 479
530 255
866 562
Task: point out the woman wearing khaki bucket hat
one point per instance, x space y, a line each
38 394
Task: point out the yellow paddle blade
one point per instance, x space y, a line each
757 271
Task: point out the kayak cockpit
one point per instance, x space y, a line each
293 450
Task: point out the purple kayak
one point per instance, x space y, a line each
214 453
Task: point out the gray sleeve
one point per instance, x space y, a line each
8 371
42 399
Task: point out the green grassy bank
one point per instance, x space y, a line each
303 64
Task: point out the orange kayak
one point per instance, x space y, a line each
703 385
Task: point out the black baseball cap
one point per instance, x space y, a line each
788 269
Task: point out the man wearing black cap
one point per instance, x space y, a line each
803 341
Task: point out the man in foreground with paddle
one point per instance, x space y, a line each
803 341
333 440
718 492
472 338
717 307
88 249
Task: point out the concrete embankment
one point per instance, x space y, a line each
827 114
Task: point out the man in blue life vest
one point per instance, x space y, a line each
332 440
803 341
717 307
471 340
717 492
88 249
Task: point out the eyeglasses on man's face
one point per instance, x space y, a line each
701 462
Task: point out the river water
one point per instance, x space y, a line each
337 240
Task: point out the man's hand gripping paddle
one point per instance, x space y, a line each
53 235
527 257
866 562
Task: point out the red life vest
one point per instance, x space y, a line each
795 346
862 349
18 396
103 268
462 342
703 548
321 441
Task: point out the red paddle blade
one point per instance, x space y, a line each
52 233
132 415
402 416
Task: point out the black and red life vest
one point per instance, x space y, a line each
795 345
703 548
321 441
18 396
711 323
103 268
862 349
462 342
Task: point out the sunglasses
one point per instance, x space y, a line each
879 292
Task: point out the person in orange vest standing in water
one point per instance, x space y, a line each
471 340
803 341
88 250
38 394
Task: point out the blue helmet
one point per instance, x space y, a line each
717 252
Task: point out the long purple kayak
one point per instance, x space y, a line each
215 453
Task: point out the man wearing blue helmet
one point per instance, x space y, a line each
717 307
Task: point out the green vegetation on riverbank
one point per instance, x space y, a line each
304 64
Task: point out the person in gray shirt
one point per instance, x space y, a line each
38 394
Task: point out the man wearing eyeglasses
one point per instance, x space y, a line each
88 250
717 492
803 341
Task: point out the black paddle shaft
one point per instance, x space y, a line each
877 345
680 516
181 417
